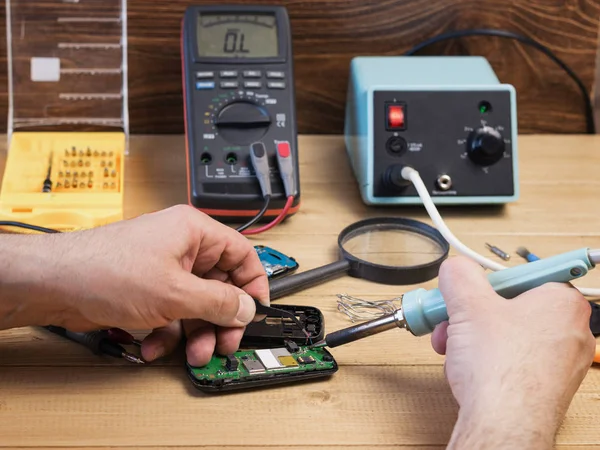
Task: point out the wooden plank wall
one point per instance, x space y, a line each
328 33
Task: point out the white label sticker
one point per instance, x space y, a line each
280 119
45 69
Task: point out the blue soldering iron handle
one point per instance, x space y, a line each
423 309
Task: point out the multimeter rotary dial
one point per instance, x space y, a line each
485 146
242 121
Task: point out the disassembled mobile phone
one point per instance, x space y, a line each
273 351
275 263
275 329
262 367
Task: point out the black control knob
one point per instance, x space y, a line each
485 146
243 122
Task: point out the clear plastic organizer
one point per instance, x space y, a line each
67 69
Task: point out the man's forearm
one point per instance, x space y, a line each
26 278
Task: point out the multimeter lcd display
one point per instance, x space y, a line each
237 36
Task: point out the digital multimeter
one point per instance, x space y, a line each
238 91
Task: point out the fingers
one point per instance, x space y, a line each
201 341
161 341
464 285
204 339
217 274
439 338
220 303
228 340
228 251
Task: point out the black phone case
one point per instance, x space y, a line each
274 330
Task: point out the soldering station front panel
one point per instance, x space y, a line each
239 90
459 141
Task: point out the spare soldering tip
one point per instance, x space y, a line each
496 251
132 358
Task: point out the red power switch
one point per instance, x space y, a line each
283 148
395 117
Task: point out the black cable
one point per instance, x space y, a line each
589 110
8 223
256 218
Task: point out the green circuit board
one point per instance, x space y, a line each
246 364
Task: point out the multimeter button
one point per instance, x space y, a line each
276 85
229 84
275 74
283 148
205 85
205 74
258 149
228 74
252 74
252 84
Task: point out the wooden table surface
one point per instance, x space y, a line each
390 389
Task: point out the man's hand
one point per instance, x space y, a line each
146 273
513 365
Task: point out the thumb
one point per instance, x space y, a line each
214 301
464 286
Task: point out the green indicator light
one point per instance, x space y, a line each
485 107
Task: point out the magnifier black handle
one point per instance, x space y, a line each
294 283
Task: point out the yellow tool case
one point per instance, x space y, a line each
68 126
86 175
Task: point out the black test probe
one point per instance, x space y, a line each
98 342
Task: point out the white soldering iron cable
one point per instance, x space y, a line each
410 174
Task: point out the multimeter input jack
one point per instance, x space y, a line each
231 158
205 158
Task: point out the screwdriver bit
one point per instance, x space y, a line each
48 182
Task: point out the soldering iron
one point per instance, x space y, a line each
421 310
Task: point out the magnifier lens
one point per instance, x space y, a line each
393 246
389 250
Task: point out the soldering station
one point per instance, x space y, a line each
393 105
419 130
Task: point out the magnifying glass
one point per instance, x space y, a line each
387 250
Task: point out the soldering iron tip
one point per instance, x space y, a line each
319 344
